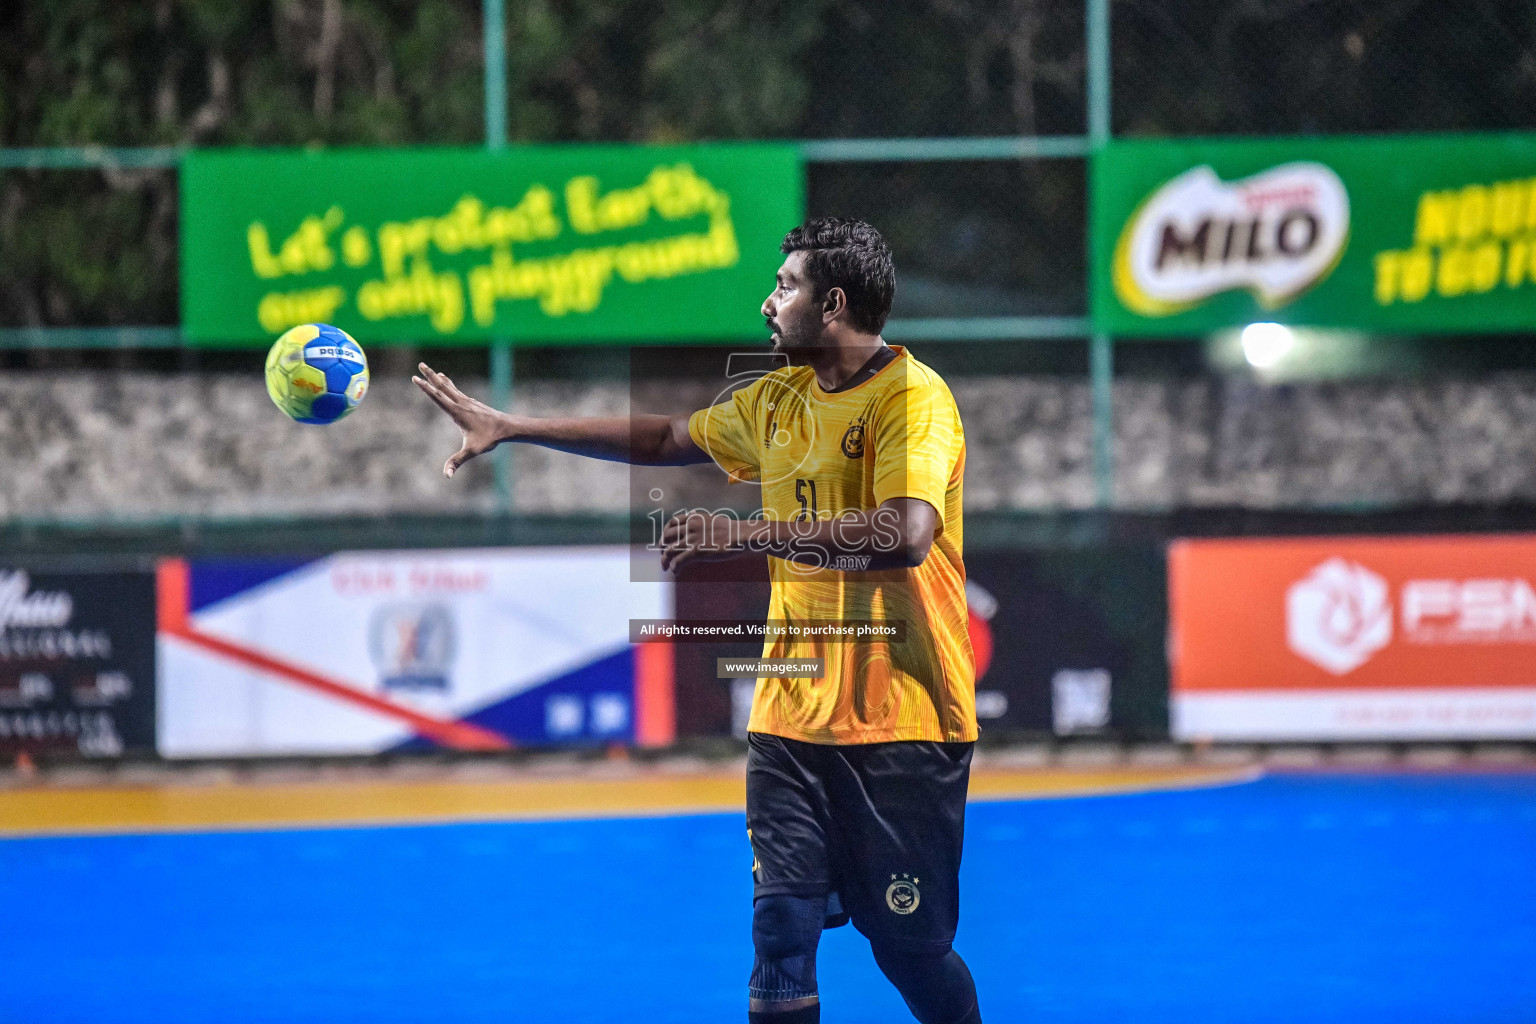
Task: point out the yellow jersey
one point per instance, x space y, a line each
820 455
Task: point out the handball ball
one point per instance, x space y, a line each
316 373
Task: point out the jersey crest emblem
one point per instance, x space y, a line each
902 895
853 440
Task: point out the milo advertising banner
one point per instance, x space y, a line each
1408 234
535 244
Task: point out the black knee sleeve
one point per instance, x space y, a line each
785 932
935 983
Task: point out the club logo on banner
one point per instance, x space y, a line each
1338 616
413 645
1338 638
1276 234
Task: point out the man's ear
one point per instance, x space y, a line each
835 302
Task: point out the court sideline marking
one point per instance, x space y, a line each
239 806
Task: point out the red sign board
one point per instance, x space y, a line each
1353 637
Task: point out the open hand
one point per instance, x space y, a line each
483 426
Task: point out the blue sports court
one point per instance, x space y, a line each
1297 897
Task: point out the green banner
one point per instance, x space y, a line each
1408 234
564 244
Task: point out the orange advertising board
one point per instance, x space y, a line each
1348 637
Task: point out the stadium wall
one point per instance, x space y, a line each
126 473
144 445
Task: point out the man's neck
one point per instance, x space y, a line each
835 364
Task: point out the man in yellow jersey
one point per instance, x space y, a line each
856 775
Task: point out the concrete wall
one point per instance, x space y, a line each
137 445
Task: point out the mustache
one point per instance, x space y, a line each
770 323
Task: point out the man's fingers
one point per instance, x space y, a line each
456 460
445 402
433 393
439 381
455 403
451 398
443 382
429 390
672 545
429 384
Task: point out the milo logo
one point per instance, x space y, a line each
1275 234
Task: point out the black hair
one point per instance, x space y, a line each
851 255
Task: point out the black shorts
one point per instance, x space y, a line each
878 827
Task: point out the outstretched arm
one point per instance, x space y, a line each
647 439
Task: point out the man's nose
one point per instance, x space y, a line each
768 308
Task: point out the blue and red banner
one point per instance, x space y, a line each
365 652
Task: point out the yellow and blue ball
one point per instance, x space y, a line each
316 373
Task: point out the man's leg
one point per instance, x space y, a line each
938 988
786 815
785 933
900 807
